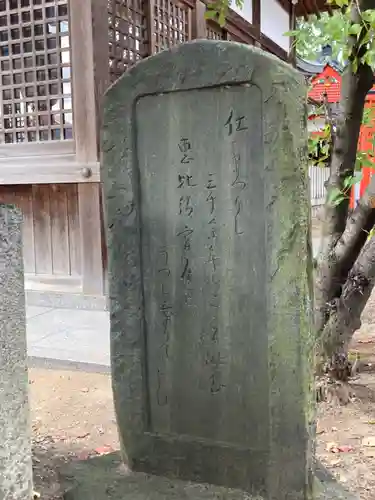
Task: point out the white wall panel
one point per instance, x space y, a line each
247 9
274 22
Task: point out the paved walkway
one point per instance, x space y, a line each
68 335
73 335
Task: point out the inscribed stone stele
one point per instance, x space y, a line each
205 182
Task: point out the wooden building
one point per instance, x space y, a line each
57 57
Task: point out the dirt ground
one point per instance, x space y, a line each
73 418
346 434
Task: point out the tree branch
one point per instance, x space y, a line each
346 311
334 270
357 229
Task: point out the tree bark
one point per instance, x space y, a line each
345 315
332 271
345 272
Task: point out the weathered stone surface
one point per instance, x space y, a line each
104 478
205 180
15 436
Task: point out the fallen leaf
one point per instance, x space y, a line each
369 441
345 449
332 447
103 450
371 422
335 448
83 436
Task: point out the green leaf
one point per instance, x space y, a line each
368 16
355 29
292 33
364 160
325 149
210 14
335 197
339 200
221 19
341 3
351 180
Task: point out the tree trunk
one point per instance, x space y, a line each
345 269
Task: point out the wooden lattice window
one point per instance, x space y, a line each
35 69
127 34
172 24
214 32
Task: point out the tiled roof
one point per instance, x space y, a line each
310 68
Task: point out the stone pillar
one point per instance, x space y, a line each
15 435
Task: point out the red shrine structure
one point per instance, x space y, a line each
326 79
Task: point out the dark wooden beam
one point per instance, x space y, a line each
285 4
315 6
270 46
308 7
238 23
305 12
292 27
256 16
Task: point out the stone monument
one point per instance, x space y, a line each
205 179
205 183
15 429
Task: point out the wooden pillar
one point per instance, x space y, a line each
256 18
199 20
89 32
150 48
292 26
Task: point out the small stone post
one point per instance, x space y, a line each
15 435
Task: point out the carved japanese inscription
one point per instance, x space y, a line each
205 189
203 254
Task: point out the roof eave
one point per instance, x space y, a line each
305 8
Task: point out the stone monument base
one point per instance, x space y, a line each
106 477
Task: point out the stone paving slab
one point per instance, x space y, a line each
68 335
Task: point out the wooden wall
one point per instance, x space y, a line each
51 232
50 105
